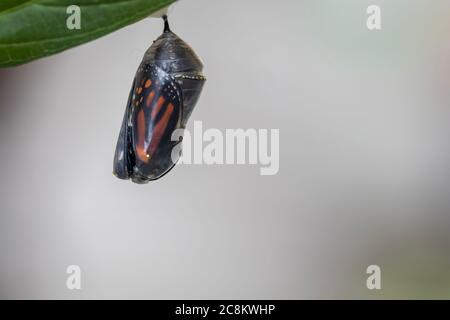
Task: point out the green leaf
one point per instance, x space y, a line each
32 29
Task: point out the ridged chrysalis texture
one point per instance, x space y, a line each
164 93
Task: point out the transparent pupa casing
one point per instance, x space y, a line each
165 91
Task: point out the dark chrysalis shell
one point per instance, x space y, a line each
165 90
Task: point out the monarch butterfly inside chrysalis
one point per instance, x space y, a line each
165 90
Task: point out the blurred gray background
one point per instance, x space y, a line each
364 160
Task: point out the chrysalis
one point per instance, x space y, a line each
165 90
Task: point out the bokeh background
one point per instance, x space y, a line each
364 160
